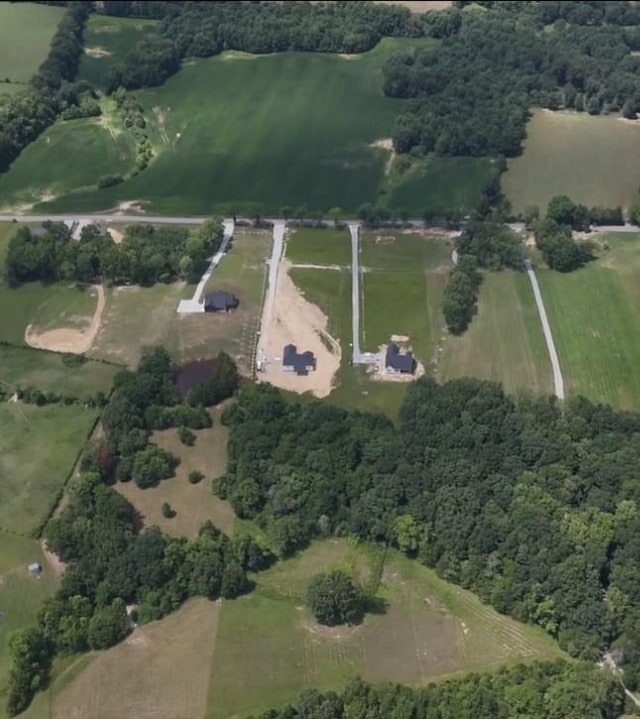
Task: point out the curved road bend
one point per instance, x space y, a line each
269 301
546 329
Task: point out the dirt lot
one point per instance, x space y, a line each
65 339
297 321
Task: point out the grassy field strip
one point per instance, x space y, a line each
596 326
328 247
504 343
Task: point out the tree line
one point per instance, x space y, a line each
472 94
542 690
146 255
533 507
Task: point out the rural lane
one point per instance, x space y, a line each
267 310
546 329
358 356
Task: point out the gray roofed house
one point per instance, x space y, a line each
397 362
301 364
220 301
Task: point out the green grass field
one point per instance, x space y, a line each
38 448
319 247
591 159
71 154
43 306
229 125
26 30
429 630
25 367
107 40
504 342
595 324
20 594
403 282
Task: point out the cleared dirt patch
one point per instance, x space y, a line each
76 341
98 52
116 235
386 143
160 671
295 320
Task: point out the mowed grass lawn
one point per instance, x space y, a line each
20 594
70 154
107 40
429 630
591 159
596 328
194 504
402 283
319 246
28 368
38 448
504 342
26 30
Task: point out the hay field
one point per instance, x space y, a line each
161 670
30 481
429 630
20 594
26 30
591 159
595 324
107 40
504 342
319 246
194 504
138 316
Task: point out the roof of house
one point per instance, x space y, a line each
220 300
301 363
397 361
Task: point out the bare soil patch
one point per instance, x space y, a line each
56 564
297 321
76 341
386 143
97 52
116 235
385 239
162 670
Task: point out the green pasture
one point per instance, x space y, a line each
504 342
437 184
6 233
43 306
24 367
38 448
20 594
26 30
71 154
250 133
425 630
319 246
107 40
591 159
596 328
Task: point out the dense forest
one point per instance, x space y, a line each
533 507
473 92
110 562
146 255
543 690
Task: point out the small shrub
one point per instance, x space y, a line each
195 477
186 436
167 511
109 181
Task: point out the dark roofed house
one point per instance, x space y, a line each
395 361
299 363
220 301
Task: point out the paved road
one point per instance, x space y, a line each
546 328
359 357
269 302
194 304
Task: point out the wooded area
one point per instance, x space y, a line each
532 507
